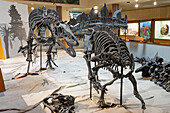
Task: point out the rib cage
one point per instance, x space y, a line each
103 43
106 41
37 17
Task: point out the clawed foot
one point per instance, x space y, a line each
50 65
52 68
143 106
97 86
101 103
49 61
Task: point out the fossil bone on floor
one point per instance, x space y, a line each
70 78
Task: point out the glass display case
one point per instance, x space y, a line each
145 30
162 30
132 30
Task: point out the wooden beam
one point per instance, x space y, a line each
152 30
59 11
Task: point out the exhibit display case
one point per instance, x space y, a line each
132 33
145 29
132 30
162 30
155 31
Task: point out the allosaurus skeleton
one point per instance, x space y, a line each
40 20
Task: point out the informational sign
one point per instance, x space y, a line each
145 29
13 27
162 30
132 30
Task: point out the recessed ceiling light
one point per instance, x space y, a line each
32 8
136 5
96 11
95 7
137 0
155 3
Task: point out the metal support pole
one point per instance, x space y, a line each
121 85
28 68
125 35
90 89
40 57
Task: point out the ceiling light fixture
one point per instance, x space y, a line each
136 5
96 11
32 8
95 7
137 0
155 3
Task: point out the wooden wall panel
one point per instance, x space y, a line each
148 14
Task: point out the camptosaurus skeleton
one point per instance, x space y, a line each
109 51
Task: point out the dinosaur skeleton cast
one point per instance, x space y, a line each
106 50
59 103
157 69
41 21
56 102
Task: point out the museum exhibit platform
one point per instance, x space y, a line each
71 80
84 56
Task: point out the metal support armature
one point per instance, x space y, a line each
121 85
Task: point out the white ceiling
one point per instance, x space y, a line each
143 4
86 5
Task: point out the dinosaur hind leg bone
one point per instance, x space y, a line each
136 93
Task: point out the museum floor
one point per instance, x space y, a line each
70 78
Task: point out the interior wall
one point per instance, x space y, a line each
101 2
39 6
11 35
65 14
148 50
144 14
65 11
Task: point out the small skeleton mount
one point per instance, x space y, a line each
146 64
40 22
156 69
59 103
56 102
103 47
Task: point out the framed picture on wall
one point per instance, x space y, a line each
145 29
133 29
162 30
